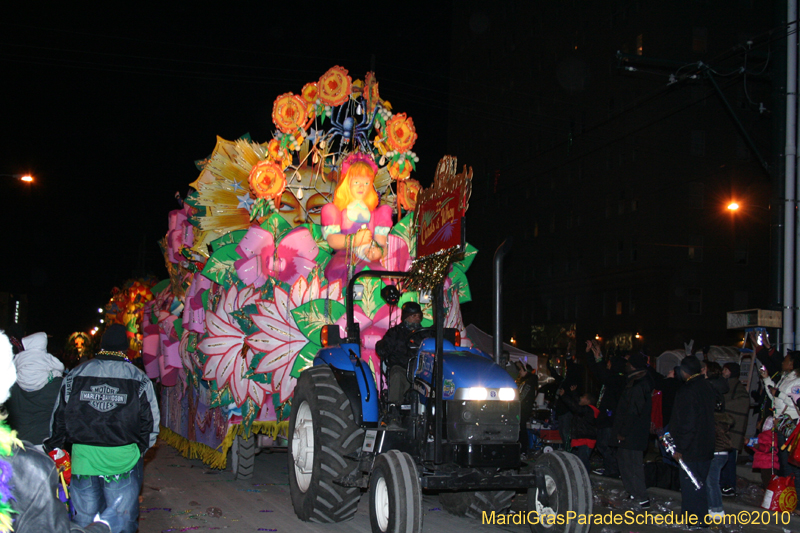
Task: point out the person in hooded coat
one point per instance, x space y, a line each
737 404
28 499
34 395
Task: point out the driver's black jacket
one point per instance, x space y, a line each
394 349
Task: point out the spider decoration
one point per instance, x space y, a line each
348 130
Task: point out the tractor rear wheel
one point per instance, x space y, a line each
322 432
564 487
472 504
395 497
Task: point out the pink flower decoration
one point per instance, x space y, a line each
297 255
228 362
180 234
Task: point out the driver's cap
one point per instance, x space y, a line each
410 308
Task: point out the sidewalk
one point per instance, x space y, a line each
662 496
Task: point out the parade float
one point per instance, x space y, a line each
260 252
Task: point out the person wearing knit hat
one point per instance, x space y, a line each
29 480
107 410
34 394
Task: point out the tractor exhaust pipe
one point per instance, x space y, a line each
497 275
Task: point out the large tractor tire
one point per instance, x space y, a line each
322 431
566 488
395 497
472 504
243 456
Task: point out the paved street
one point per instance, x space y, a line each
183 495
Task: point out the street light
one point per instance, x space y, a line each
733 206
22 177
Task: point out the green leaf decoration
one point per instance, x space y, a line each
177 323
242 317
469 256
311 316
406 231
305 358
371 299
249 412
282 410
460 282
316 233
219 398
219 268
233 237
250 373
160 286
278 226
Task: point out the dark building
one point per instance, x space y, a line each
612 172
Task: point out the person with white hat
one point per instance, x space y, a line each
29 480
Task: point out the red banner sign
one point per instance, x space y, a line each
439 223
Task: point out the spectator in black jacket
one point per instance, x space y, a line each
692 428
632 428
611 374
584 425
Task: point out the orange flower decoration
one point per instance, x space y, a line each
371 92
267 181
274 149
400 132
334 86
310 93
407 192
396 173
289 113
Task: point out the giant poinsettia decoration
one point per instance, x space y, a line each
281 334
228 358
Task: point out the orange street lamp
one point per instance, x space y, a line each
22 177
733 206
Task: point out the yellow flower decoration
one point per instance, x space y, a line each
334 86
310 93
274 150
400 133
267 181
395 171
290 113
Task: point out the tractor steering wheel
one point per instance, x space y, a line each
413 344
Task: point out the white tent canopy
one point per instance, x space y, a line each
485 343
672 358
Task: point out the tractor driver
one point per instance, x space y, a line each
395 350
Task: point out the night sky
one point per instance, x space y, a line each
109 109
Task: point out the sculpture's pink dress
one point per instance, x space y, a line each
336 221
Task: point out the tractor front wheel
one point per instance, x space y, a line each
563 486
395 497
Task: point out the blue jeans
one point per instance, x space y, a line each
727 478
713 491
117 501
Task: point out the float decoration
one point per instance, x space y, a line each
260 252
438 223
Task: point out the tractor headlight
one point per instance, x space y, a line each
507 394
476 393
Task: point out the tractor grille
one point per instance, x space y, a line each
482 421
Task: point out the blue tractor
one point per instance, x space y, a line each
458 437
